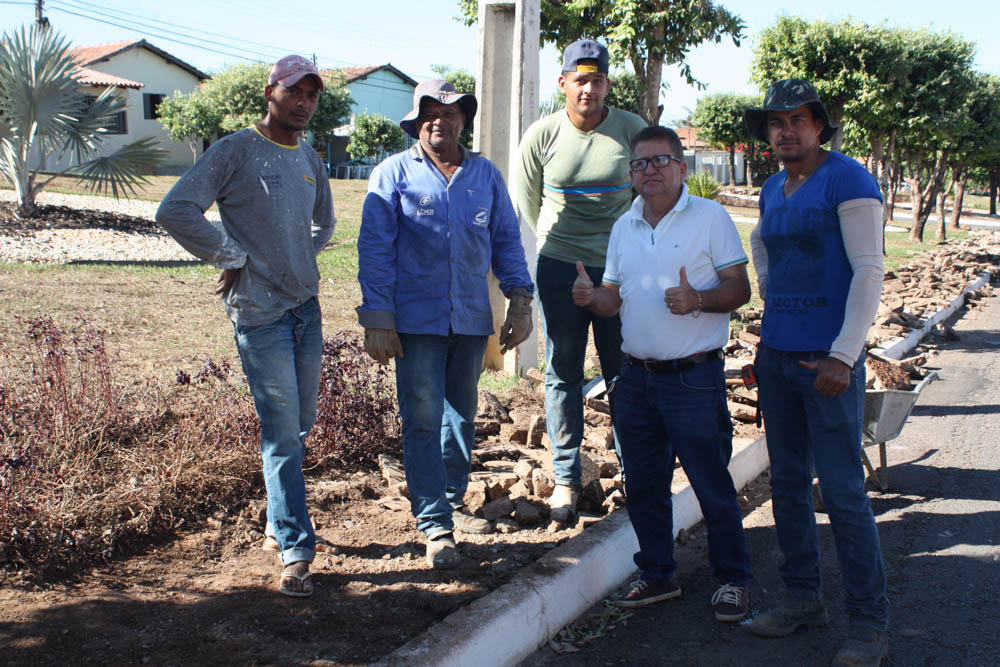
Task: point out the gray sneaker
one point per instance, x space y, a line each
442 552
864 646
787 617
467 522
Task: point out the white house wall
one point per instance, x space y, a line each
158 77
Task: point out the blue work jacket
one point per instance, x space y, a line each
426 244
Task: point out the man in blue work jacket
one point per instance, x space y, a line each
435 219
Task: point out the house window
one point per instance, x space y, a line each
151 105
115 124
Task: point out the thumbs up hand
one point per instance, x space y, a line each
583 287
682 299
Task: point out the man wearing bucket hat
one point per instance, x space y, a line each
435 219
571 183
818 253
274 199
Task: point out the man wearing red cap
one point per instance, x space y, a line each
277 214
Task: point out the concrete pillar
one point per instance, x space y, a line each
507 90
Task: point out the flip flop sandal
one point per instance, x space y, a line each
322 546
305 579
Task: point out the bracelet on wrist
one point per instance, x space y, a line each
697 312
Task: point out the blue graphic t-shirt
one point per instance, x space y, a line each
808 271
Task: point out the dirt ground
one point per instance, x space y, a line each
209 595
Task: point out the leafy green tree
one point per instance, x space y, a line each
375 136
45 113
234 99
646 34
934 112
464 82
718 119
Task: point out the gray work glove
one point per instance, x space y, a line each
517 327
382 345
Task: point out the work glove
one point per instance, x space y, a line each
517 327
382 345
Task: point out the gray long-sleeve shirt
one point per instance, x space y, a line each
277 215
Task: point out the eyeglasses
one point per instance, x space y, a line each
659 161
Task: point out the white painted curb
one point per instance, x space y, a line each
901 346
507 625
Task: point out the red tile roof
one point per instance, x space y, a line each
87 55
689 137
352 74
91 77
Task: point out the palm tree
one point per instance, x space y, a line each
44 113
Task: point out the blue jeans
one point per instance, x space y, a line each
565 327
806 429
282 362
682 414
436 383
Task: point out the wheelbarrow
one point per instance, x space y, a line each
886 412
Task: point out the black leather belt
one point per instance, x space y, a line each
675 365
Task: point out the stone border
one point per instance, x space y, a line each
510 623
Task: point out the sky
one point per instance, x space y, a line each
413 35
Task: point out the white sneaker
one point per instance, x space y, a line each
562 504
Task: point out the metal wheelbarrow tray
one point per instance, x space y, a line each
886 412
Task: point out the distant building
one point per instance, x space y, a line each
702 157
144 75
381 89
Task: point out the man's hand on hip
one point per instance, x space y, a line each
225 282
517 327
382 345
832 375
583 287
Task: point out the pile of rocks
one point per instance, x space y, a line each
512 475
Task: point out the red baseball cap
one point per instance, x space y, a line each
291 69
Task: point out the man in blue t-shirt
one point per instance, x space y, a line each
818 254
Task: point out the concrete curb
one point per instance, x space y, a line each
507 625
898 348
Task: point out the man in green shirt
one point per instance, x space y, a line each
570 185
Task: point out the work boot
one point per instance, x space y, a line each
788 616
562 504
467 522
442 552
864 646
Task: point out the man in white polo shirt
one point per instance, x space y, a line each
675 270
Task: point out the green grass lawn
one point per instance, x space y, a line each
109 291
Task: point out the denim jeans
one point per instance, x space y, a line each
436 383
282 362
806 429
565 326
682 414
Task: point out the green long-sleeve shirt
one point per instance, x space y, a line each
571 186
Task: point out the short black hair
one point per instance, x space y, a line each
654 132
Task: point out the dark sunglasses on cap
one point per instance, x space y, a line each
659 161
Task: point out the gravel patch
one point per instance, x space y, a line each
62 246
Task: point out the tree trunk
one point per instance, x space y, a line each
994 183
897 176
959 186
837 141
928 198
915 166
650 72
732 166
941 233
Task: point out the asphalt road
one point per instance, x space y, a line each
940 530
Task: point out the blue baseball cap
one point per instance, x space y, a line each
585 49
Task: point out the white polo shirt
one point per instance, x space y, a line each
644 262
